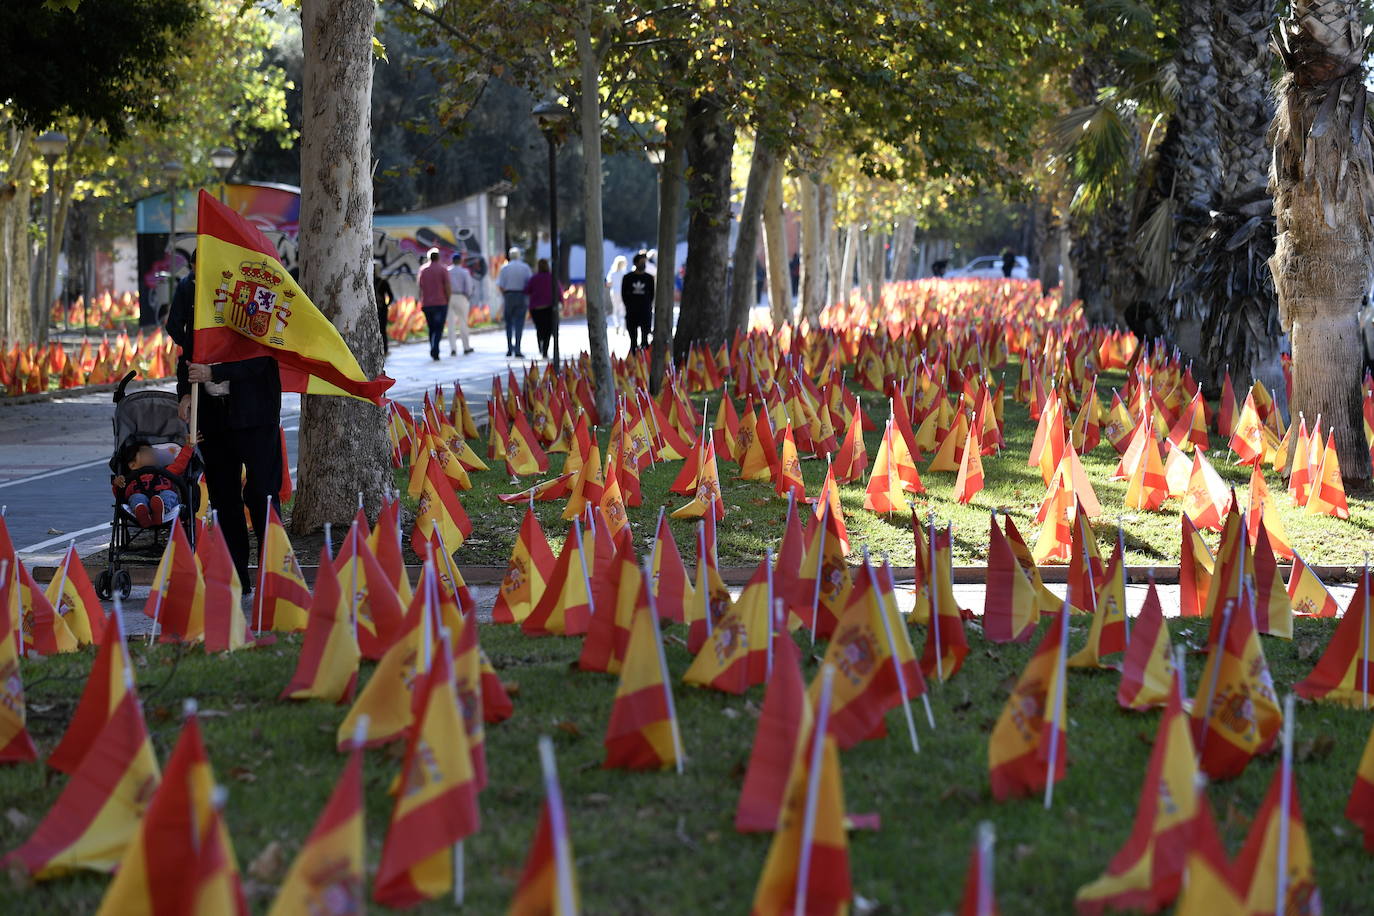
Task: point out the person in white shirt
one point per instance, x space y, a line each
512 279
619 268
462 286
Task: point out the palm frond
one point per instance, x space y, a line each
1154 243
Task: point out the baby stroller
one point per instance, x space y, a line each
150 415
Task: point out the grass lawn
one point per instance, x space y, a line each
662 843
755 514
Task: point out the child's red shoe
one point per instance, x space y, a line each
155 509
141 513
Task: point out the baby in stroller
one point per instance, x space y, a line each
147 484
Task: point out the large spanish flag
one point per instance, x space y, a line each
248 305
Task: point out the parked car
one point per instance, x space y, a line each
990 265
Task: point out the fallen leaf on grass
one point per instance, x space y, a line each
18 819
596 798
676 639
962 793
1023 850
1145 738
511 687
270 864
569 727
1308 648
243 774
213 714
1314 748
730 712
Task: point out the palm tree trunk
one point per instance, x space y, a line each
1323 182
1242 328
1189 166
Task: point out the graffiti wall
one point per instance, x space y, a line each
399 241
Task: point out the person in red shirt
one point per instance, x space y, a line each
435 288
145 485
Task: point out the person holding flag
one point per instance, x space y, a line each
238 419
247 334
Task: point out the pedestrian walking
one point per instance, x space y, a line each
637 291
381 291
512 279
434 295
619 268
1008 262
462 287
239 419
544 293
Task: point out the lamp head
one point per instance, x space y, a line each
223 158
51 144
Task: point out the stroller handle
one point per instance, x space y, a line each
119 390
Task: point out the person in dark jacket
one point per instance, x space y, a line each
239 418
637 292
381 289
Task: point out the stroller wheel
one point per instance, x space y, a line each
123 583
102 585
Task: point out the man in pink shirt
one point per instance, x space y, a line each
435 288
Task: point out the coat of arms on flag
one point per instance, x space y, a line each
254 296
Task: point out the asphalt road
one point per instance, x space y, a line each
54 454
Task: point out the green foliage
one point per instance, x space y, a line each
106 61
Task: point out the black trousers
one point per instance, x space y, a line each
435 316
228 453
382 312
543 328
641 319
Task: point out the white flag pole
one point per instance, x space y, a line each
896 657
259 600
986 839
1285 802
1364 655
663 673
558 822
1061 678
768 565
935 608
813 786
1206 710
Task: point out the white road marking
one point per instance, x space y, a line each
55 471
65 536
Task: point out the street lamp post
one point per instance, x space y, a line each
51 144
223 158
172 170
501 201
553 119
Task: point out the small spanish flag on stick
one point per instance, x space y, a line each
548 885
